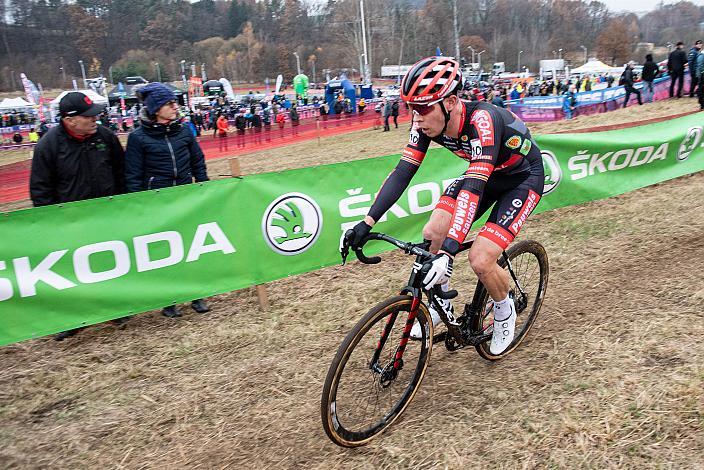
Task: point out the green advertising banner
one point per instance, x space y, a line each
86 262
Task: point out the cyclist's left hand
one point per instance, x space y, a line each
355 235
440 270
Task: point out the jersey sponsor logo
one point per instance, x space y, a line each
517 203
483 169
507 216
528 207
464 138
514 142
689 143
465 209
553 172
482 121
496 234
525 148
292 223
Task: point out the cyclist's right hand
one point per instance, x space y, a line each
355 235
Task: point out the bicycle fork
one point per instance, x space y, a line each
389 372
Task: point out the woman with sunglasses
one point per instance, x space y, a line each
505 171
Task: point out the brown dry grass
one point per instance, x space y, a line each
15 155
610 376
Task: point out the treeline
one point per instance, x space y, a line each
250 40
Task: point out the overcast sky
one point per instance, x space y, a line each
640 5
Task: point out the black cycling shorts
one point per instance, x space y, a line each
513 196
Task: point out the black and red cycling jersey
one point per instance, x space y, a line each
505 167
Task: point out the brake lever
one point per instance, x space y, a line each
344 252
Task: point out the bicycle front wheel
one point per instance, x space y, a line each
529 262
375 373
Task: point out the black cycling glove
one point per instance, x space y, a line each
354 236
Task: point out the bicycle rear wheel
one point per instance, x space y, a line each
530 265
363 395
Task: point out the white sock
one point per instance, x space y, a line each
502 309
446 286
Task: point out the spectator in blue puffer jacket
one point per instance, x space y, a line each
161 153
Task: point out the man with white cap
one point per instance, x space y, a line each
628 84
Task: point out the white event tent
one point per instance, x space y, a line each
595 66
15 103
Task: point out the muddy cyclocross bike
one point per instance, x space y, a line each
378 369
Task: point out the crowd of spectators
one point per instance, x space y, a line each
567 88
16 118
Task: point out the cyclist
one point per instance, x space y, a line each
505 170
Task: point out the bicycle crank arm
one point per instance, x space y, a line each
476 340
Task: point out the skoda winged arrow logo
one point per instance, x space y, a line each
689 143
553 172
292 223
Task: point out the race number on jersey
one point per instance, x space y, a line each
414 136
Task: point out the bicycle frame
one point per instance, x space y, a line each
457 335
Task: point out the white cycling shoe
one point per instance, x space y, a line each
416 331
503 334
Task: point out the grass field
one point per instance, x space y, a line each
610 376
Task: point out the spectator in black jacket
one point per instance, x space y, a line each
692 61
628 84
241 126
675 67
76 160
162 153
648 75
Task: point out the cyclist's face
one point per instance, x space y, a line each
433 120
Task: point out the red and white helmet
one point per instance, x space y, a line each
430 80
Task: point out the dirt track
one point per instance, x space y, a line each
610 376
